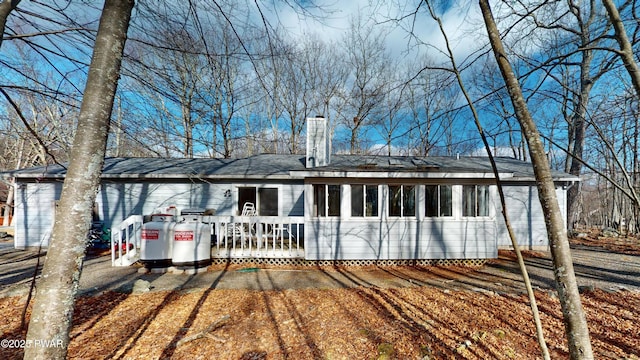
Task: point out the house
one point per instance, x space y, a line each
316 206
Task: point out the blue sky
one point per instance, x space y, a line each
461 20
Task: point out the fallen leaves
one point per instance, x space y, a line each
414 322
620 244
401 323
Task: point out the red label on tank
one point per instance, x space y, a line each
183 236
150 234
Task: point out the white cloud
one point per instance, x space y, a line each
503 151
462 22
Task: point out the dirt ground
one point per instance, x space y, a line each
390 313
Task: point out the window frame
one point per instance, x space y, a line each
324 205
254 194
403 201
366 199
441 191
480 204
264 209
246 194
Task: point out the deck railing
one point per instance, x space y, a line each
231 237
125 241
256 236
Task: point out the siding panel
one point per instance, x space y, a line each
526 216
122 200
34 213
116 201
400 239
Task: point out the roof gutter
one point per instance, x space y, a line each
397 174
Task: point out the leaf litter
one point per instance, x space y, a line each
416 322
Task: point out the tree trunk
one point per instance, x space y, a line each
6 210
523 269
627 56
579 128
626 51
574 318
5 9
54 301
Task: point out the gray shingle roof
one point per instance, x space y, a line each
520 170
286 167
254 166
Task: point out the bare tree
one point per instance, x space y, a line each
308 72
294 91
52 313
390 118
628 58
626 50
366 55
571 32
575 321
504 131
46 98
5 9
271 77
430 106
37 134
615 129
177 72
228 90
525 275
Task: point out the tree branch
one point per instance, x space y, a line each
26 124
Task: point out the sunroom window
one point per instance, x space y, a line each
475 200
402 200
438 201
364 200
326 200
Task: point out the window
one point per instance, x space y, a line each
265 200
438 200
333 201
402 200
475 200
319 200
326 200
364 200
371 200
245 195
268 201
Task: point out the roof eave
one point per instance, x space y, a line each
399 174
164 177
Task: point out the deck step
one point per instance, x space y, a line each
127 259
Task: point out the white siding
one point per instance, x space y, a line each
120 200
348 238
34 213
345 237
526 216
333 238
292 200
117 201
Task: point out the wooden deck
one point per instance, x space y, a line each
257 237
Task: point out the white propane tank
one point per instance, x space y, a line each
157 241
191 243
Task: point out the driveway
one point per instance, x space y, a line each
594 268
